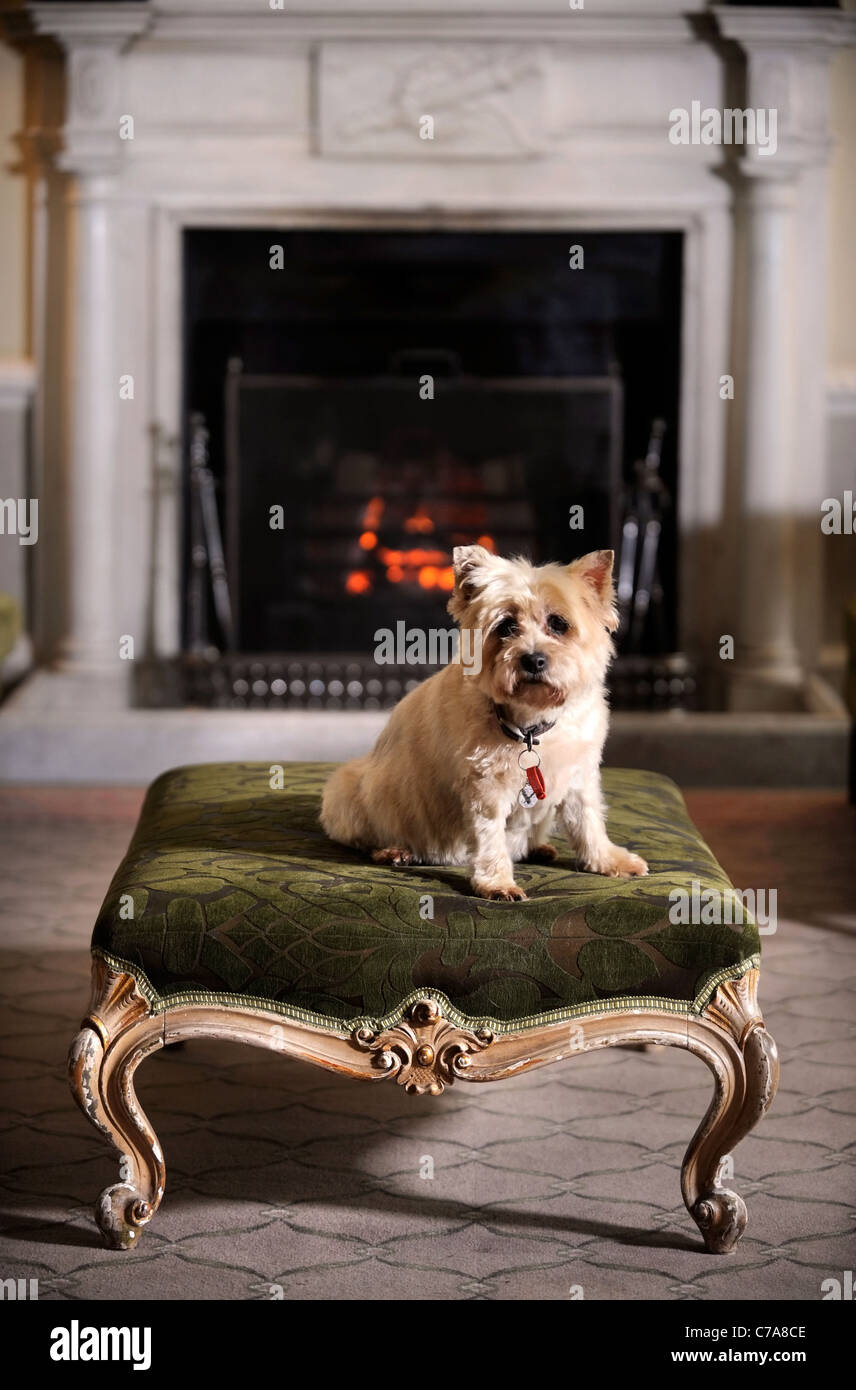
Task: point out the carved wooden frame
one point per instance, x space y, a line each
426 1051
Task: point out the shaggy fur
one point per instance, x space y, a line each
442 782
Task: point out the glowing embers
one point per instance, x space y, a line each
421 566
358 582
419 523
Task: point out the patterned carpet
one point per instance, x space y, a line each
286 1182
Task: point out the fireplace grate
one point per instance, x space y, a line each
266 681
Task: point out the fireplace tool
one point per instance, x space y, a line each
646 675
206 550
640 592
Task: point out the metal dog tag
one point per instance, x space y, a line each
527 797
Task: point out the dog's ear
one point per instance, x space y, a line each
467 559
595 569
470 564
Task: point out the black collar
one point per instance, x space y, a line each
529 735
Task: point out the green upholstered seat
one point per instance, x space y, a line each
239 896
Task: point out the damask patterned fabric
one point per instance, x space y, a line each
236 891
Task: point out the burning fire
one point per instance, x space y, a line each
430 569
374 512
358 582
420 523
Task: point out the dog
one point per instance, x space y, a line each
448 782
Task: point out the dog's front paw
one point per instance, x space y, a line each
500 892
394 854
618 863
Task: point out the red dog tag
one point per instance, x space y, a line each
536 782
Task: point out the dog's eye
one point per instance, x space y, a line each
507 628
557 624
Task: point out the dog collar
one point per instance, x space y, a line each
530 735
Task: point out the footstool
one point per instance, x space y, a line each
233 916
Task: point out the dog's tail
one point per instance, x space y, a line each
343 814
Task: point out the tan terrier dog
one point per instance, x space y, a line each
454 778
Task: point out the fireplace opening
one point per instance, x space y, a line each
356 532
360 402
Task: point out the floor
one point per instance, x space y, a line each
286 1182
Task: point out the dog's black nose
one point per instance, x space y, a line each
533 662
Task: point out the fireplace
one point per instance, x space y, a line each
154 269
371 399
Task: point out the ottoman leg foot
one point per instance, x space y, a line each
721 1217
731 1038
114 1039
120 1214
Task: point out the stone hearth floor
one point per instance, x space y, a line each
281 1175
